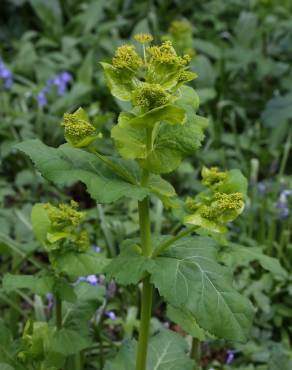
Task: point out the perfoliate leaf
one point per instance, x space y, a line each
169 113
129 266
66 165
78 264
189 277
186 321
166 350
118 81
129 142
37 284
173 143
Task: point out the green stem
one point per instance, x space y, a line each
147 290
146 307
285 157
162 247
58 313
196 353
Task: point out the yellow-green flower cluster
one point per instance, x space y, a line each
181 35
213 176
64 215
232 201
65 232
179 27
143 38
78 131
221 203
150 96
127 57
166 55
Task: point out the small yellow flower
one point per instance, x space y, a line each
143 38
150 96
78 131
230 201
166 54
127 57
213 176
64 215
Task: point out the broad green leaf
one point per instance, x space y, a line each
37 284
40 222
67 342
186 321
77 315
129 266
66 165
119 82
167 350
236 255
78 264
189 277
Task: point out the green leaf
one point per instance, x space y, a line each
67 342
119 82
129 142
64 291
165 348
77 315
186 321
129 266
277 111
66 165
78 264
163 190
173 143
235 182
237 255
6 367
37 284
169 113
40 222
189 277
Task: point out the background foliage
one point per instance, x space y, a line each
242 53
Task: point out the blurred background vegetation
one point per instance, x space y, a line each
242 53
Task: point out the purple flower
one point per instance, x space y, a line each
111 315
97 249
50 299
230 357
91 279
282 203
6 76
61 81
66 77
42 98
